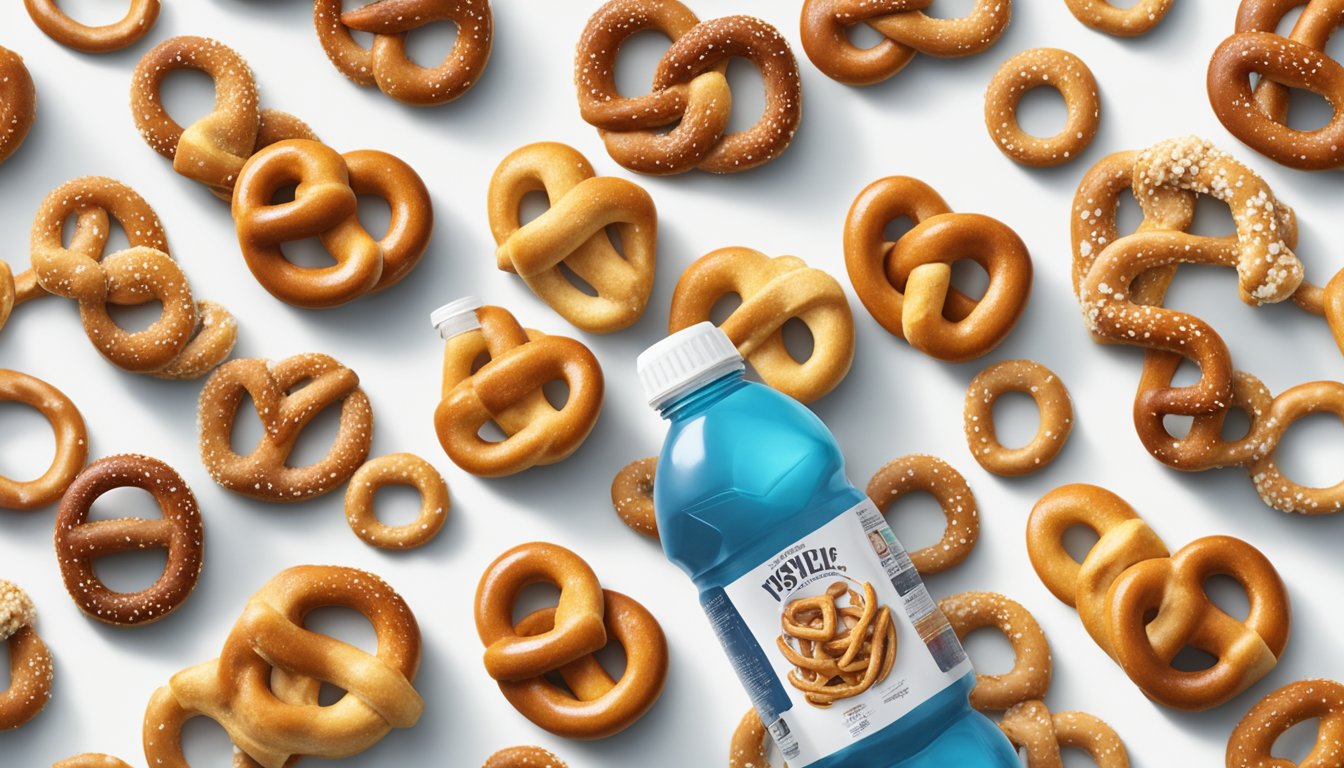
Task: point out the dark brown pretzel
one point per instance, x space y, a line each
18 102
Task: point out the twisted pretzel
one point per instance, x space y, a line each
838 652
907 285
1052 399
1043 67
632 496
932 475
507 391
1032 727
773 291
1133 21
1031 673
573 232
386 63
274 725
689 89
18 102
57 25
907 31
1252 741
90 760
524 757
399 469
265 473
325 206
748 747
71 437
30 671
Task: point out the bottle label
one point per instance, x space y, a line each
835 637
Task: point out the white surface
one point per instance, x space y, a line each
925 122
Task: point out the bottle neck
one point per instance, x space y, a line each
702 397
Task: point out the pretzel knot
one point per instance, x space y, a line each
573 232
906 30
18 102
30 670
689 89
838 652
1257 113
1252 741
773 291
907 285
387 65
272 723
1033 728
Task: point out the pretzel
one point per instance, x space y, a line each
387 65
837 652
18 102
1274 486
57 25
573 232
632 496
1252 741
264 473
932 475
273 723
30 670
6 293
71 437
1132 21
689 89
524 757
906 285
1032 727
1031 672
907 29
399 469
748 747
507 391
90 760
1036 68
773 291
325 206
1052 399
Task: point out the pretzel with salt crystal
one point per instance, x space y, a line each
1131 21
748 746
30 670
632 496
58 25
1052 400
524 757
1252 742
918 472
18 102
396 469
1036 68
71 438
1031 673
1041 734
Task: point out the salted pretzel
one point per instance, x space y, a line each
1132 21
773 291
265 473
1052 400
30 670
1252 741
92 760
507 390
632 496
71 438
275 722
748 746
18 102
396 469
57 25
1041 734
907 285
1031 673
919 472
387 65
690 89
524 757
572 232
907 30
837 652
1036 68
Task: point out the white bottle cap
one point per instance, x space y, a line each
686 360
456 317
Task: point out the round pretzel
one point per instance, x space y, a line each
396 469
932 475
1036 68
748 746
1133 21
387 65
325 205
18 102
264 473
30 670
1032 727
773 291
91 760
1052 399
572 232
1274 486
57 25
1252 741
67 426
524 757
632 496
1032 670
907 31
907 285
80 542
689 89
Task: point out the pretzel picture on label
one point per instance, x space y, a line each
1052 400
1033 729
690 90
18 102
1036 68
1252 742
1032 665
396 469
573 232
30 670
936 477
632 496
838 651
56 24
68 430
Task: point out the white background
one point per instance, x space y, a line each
925 122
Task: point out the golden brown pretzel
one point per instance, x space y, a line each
632 496
524 757
18 102
1036 68
507 390
773 291
396 469
264 473
837 652
6 293
918 472
907 29
49 18
1052 399
906 285
80 542
90 760
1031 673
71 437
275 722
573 232
689 89
1130 21
748 747
1032 727
1252 741
30 671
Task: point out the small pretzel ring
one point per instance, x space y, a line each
94 760
632 496
1032 728
1252 741
1038 67
398 469
72 441
933 475
1051 398
58 25
18 102
1273 485
1030 676
748 747
1104 16
30 670
524 757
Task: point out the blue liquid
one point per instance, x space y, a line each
746 471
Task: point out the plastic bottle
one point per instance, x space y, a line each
753 503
